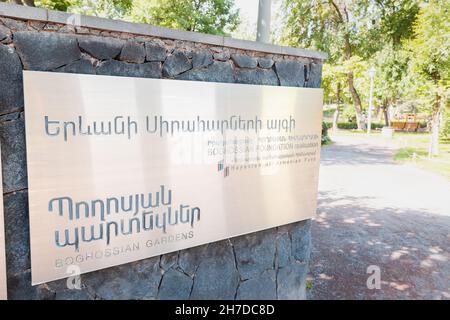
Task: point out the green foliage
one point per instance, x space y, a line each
113 9
445 132
347 125
328 24
59 5
407 41
351 125
333 76
348 113
431 44
325 138
328 113
415 150
207 16
392 68
396 20
430 61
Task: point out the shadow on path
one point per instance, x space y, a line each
368 216
356 155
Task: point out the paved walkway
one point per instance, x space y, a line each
373 211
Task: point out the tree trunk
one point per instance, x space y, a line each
385 108
338 107
351 86
335 120
357 101
434 147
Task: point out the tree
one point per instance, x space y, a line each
351 32
206 16
29 3
333 80
342 28
103 8
113 9
392 67
396 20
59 5
395 23
430 59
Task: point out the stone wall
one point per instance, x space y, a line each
270 264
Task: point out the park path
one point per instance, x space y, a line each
374 211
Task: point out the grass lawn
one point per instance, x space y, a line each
413 148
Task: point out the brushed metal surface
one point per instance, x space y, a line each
3 287
251 184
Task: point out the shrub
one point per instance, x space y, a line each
353 125
325 138
347 125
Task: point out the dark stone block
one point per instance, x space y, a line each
36 25
12 137
124 69
20 288
62 291
314 75
190 259
301 240
202 59
17 232
284 250
44 51
59 285
14 24
74 294
291 73
175 64
100 47
83 66
217 72
4 32
11 85
133 52
255 253
189 53
263 287
244 61
257 76
223 55
265 63
155 51
169 260
291 282
11 116
175 285
216 276
136 280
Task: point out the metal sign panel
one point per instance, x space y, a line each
121 169
3 293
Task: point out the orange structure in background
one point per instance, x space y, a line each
406 122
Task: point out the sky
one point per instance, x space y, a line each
249 16
248 8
